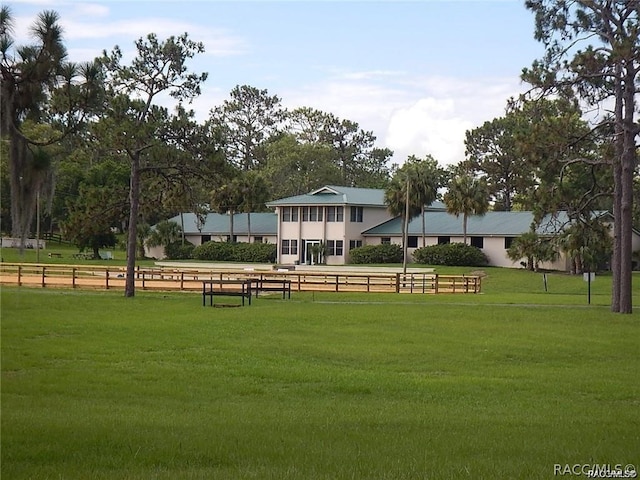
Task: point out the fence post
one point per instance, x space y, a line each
43 275
437 282
106 278
19 275
181 280
337 281
73 277
397 283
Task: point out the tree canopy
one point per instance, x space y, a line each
117 141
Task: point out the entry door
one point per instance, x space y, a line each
309 257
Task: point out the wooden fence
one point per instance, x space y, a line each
186 279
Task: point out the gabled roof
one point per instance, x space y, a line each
336 195
219 224
508 224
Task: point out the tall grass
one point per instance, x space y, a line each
97 386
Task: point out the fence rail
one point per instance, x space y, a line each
187 279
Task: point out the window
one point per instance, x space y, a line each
507 242
335 214
477 242
205 238
289 247
444 240
354 244
289 214
286 248
334 247
412 241
311 214
257 239
356 214
385 240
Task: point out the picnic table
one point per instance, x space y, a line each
227 288
272 285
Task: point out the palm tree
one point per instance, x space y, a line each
467 196
31 76
534 248
165 233
426 177
402 202
586 242
226 199
253 194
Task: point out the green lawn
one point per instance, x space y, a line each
324 386
66 252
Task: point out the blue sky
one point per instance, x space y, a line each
417 73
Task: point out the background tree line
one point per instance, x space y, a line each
92 145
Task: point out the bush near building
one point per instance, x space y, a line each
452 254
178 251
387 253
236 252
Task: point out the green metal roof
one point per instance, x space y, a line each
219 224
336 195
509 224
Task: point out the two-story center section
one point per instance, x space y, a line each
323 225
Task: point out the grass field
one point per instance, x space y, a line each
324 386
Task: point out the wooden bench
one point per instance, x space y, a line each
226 288
272 285
55 255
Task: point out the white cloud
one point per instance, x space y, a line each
411 116
431 126
218 42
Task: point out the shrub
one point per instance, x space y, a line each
254 252
236 252
451 254
387 253
178 251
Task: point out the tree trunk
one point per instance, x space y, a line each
182 227
617 195
424 230
134 203
464 228
231 227
23 188
628 163
405 227
624 165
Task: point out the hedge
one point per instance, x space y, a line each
386 253
451 254
178 251
236 252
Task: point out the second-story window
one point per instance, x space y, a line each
312 214
335 214
356 214
289 214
